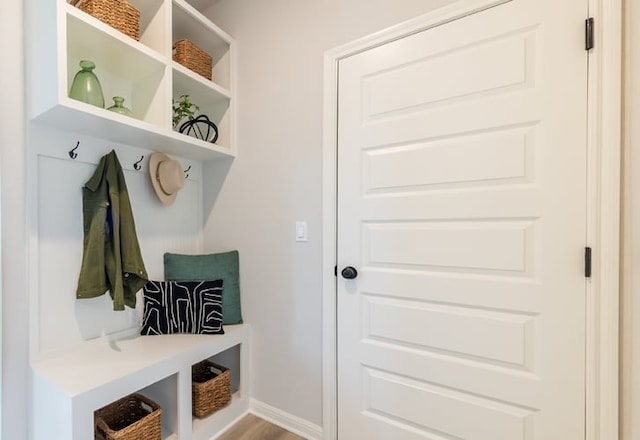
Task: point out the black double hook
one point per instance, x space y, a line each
72 153
137 165
186 172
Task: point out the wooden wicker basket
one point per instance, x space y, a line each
133 417
119 14
192 57
210 388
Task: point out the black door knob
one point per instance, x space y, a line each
349 272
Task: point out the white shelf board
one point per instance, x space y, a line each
220 150
186 82
219 420
82 118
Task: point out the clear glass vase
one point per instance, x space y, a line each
118 106
86 87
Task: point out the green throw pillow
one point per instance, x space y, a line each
224 266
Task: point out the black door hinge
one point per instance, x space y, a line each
588 33
587 262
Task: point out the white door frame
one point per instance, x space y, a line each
603 206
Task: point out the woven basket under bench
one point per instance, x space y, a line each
210 388
133 417
119 14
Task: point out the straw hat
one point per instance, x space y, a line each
167 177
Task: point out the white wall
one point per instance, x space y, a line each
630 301
276 179
12 192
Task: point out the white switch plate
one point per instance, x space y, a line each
301 231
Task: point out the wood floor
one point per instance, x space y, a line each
254 428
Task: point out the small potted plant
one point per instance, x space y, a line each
183 108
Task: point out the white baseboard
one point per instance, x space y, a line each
285 420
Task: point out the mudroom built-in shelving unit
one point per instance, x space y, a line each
72 385
143 72
83 354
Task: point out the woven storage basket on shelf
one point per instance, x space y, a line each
119 14
192 57
133 417
210 388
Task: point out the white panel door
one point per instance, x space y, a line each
462 205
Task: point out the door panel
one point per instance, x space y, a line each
499 64
466 161
461 201
441 409
490 336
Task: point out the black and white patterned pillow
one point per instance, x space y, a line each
182 307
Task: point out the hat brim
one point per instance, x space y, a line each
154 163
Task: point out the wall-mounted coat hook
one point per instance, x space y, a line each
137 165
186 172
72 152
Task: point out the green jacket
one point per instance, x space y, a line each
111 258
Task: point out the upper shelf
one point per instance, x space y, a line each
142 72
84 119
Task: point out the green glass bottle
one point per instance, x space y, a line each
118 106
86 87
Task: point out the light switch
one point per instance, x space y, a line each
301 231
